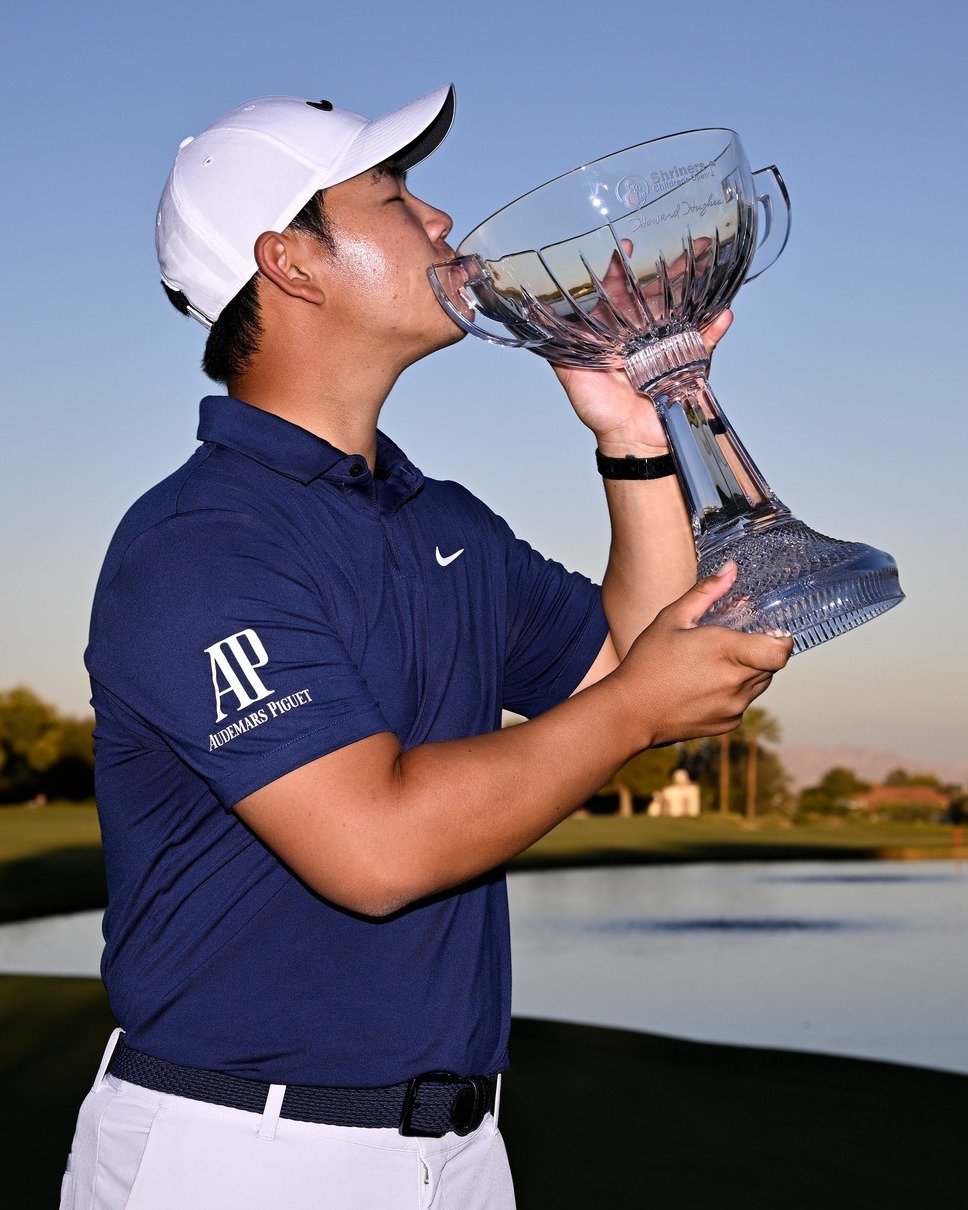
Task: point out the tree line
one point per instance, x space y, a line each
44 754
741 774
736 773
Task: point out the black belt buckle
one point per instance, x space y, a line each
467 1110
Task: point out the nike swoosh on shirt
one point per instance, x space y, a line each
449 558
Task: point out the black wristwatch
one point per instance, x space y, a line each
631 467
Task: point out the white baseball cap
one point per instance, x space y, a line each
255 168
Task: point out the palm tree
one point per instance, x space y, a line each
757 725
724 774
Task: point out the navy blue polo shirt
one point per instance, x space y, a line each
268 603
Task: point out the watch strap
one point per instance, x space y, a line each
631 467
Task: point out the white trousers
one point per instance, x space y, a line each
147 1150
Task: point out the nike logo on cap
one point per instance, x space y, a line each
449 558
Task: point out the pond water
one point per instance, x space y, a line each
52 945
867 959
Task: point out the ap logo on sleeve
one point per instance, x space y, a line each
234 662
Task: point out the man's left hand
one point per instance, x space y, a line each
623 420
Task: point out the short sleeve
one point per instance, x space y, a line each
216 636
556 628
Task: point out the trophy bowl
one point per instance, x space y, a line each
618 264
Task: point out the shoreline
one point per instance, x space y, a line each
50 857
528 861
608 841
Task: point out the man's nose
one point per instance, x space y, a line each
439 223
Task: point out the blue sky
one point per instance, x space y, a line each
842 372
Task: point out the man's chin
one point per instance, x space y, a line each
441 339
447 336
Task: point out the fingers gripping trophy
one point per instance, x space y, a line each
619 264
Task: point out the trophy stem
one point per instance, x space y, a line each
723 488
791 578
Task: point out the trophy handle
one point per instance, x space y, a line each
771 193
450 281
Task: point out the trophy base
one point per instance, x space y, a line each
798 581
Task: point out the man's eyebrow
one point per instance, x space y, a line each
389 169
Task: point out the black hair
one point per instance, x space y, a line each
234 337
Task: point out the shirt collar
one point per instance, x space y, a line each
295 452
266 438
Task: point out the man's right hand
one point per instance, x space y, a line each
685 681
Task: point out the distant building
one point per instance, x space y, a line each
886 798
679 799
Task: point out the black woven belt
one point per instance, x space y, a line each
430 1105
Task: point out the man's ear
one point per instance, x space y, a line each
281 259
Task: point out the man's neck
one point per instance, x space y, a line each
338 399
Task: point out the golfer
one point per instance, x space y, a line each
299 654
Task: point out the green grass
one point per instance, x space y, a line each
50 857
50 861
29 831
607 840
611 1118
592 1117
52 1032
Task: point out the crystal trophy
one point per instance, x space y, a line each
618 265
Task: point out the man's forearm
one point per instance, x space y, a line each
652 557
373 828
522 782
